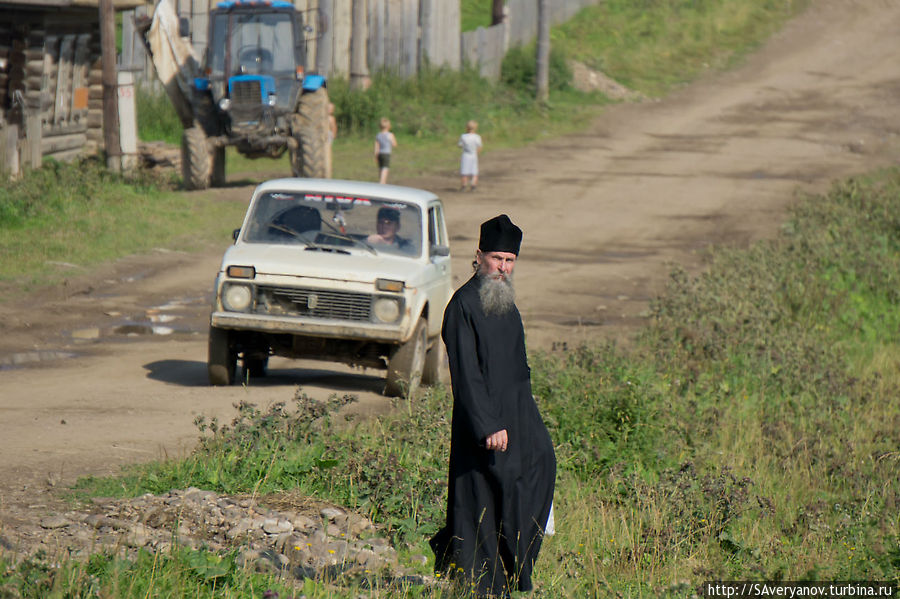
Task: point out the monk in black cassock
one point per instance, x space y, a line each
502 465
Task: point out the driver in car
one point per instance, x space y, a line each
386 226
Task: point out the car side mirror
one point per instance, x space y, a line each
440 250
235 233
184 27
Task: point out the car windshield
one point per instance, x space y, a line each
336 222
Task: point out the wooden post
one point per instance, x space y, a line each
359 69
33 154
427 55
542 68
10 150
325 45
409 38
376 35
110 97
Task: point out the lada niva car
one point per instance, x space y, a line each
342 271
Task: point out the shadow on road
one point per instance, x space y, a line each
191 373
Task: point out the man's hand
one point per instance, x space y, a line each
497 441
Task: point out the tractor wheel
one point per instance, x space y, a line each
406 365
434 363
195 159
217 177
222 358
310 129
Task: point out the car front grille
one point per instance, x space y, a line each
246 93
314 303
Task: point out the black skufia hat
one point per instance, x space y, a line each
500 235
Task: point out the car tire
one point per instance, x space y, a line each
406 364
195 158
222 358
434 363
310 130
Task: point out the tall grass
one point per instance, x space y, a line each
750 432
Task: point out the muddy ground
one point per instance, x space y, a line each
109 368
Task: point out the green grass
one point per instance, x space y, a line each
64 218
653 46
474 14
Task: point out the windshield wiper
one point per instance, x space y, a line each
337 233
290 231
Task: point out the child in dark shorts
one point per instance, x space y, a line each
385 142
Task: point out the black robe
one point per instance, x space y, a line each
498 502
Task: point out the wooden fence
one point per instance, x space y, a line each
402 36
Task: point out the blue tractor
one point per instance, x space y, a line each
255 94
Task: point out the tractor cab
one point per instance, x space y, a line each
255 59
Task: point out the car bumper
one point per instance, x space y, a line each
307 327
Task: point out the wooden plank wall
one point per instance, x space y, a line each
402 35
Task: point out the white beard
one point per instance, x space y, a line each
497 293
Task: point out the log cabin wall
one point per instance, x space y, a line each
51 92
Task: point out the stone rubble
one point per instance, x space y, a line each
306 542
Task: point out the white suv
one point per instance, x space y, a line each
333 270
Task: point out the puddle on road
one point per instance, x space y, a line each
173 317
170 318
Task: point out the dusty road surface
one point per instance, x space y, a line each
110 368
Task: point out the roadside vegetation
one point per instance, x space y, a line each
61 219
750 432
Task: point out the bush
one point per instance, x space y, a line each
519 70
157 119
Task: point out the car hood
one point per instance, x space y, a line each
289 260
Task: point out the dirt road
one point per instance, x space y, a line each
111 369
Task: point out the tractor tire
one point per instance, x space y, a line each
434 363
310 129
222 358
217 176
195 158
406 365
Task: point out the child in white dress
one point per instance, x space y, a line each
470 142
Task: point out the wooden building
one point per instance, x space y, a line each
51 91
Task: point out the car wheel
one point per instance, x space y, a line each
406 365
434 363
222 359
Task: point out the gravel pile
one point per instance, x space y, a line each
300 538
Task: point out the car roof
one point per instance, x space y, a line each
354 188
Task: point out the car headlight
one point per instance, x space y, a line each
236 298
225 104
386 309
273 99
